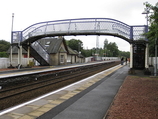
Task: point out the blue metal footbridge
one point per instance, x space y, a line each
84 26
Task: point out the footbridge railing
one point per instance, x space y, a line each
84 26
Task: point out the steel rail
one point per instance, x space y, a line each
79 73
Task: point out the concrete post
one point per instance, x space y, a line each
11 56
19 56
28 55
20 60
131 55
147 56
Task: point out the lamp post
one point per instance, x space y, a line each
146 11
12 21
11 41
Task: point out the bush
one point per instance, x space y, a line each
4 54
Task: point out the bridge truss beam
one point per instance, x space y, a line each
84 26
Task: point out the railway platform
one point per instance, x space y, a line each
86 99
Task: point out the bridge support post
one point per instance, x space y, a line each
19 56
147 56
131 70
147 71
11 57
28 55
131 55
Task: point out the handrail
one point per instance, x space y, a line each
83 26
40 50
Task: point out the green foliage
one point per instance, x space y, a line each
113 49
109 49
124 54
105 43
152 35
4 54
4 45
75 44
86 53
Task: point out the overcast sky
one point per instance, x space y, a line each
28 12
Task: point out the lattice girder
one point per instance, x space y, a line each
84 26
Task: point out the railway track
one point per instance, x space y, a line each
46 82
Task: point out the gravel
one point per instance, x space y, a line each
136 99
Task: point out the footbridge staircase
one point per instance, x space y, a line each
38 52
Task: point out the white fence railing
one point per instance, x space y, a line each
90 59
152 61
5 62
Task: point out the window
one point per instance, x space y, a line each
61 58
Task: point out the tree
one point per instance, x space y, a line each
4 45
75 44
105 43
112 49
124 54
109 49
86 52
152 34
4 54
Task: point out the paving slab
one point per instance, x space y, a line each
91 103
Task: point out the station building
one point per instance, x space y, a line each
59 53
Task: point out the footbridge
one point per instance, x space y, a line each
84 26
